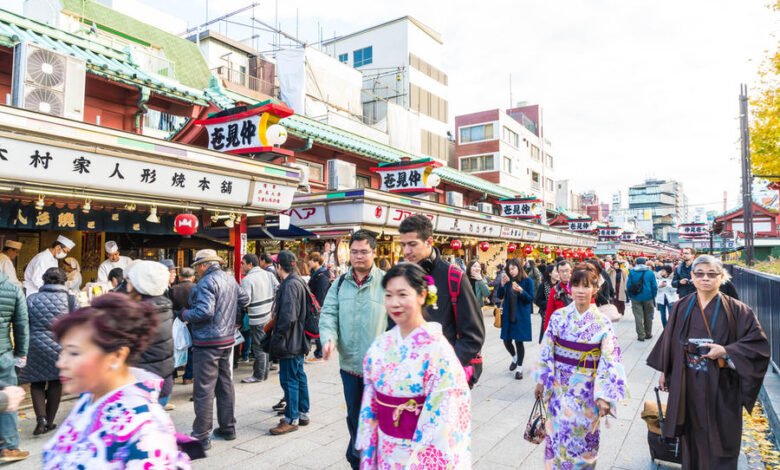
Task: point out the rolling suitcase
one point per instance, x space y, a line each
662 449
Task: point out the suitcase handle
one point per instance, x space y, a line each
660 410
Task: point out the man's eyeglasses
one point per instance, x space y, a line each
702 274
361 253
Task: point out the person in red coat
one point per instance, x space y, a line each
560 295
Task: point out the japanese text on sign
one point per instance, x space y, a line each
234 136
580 226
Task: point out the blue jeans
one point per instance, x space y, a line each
296 389
353 395
9 423
663 308
188 367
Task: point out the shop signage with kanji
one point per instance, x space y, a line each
694 231
581 225
414 176
628 236
610 232
467 227
253 130
520 208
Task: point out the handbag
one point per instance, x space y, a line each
497 317
238 337
610 311
535 429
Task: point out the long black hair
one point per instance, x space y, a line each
521 274
413 273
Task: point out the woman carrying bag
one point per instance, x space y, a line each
517 292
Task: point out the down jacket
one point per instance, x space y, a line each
216 306
158 356
288 338
13 311
43 307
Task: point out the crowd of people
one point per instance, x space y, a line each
408 338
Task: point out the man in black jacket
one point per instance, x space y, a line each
682 279
216 302
289 343
460 318
319 284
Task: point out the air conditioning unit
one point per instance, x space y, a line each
341 175
303 185
454 198
48 82
472 208
485 207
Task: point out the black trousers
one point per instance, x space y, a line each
262 363
353 395
213 377
46 399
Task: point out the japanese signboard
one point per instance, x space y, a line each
253 130
47 163
628 236
306 215
581 225
610 232
467 227
520 208
408 176
511 233
694 231
271 196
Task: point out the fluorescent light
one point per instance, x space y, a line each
111 199
6 188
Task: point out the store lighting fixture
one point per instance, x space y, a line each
87 206
153 215
6 188
215 218
130 207
231 221
110 199
40 202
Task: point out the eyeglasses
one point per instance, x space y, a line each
702 274
361 253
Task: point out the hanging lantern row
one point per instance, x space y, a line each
528 249
484 246
456 244
511 248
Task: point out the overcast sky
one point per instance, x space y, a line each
631 88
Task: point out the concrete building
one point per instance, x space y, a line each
591 205
402 64
566 199
505 147
663 201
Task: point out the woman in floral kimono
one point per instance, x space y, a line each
416 410
580 376
117 422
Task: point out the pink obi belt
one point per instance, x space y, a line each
398 416
580 355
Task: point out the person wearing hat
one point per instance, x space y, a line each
48 258
214 305
113 260
10 252
171 265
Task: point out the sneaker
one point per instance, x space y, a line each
283 428
251 380
304 419
170 407
519 375
513 366
13 455
282 405
314 360
649 337
640 339
228 436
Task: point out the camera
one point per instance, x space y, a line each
699 344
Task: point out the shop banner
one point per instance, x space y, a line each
694 231
467 227
272 196
408 177
45 163
532 235
306 216
520 208
628 236
511 233
396 216
581 225
252 130
610 232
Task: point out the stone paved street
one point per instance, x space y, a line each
501 408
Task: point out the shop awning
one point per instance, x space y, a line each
259 232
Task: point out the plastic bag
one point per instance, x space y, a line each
181 335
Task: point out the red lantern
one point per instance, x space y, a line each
484 246
528 249
589 253
546 250
186 224
511 248
456 244
558 252
567 253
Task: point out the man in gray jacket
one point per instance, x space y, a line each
260 285
13 313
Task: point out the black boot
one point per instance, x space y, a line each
40 428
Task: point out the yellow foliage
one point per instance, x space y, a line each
765 110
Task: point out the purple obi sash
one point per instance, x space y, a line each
398 416
581 355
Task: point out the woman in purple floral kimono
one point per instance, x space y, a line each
580 376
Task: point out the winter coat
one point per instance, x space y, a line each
618 277
13 311
216 306
729 289
667 293
319 284
645 275
541 296
516 310
288 338
43 307
560 296
352 317
481 291
683 272
180 296
260 285
158 356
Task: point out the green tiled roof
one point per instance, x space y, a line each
190 68
101 60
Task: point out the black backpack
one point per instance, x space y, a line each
636 289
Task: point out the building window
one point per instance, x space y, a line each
548 161
363 56
316 170
536 180
478 163
507 165
549 184
476 133
363 181
535 153
510 137
344 58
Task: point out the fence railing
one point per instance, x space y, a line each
761 291
245 80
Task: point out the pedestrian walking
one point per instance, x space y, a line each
456 307
642 289
579 375
215 302
416 409
48 258
319 284
712 356
180 296
534 273
560 295
619 281
43 307
352 316
682 279
260 285
549 279
478 283
117 421
290 344
517 292
14 343
10 251
667 294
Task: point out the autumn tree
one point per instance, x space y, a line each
765 110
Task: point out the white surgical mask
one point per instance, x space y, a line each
61 255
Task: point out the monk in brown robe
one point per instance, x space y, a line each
712 356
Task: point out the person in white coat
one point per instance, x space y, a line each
10 252
113 260
667 294
48 258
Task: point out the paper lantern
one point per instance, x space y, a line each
558 252
186 224
589 253
546 250
567 253
528 249
456 244
511 248
484 246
